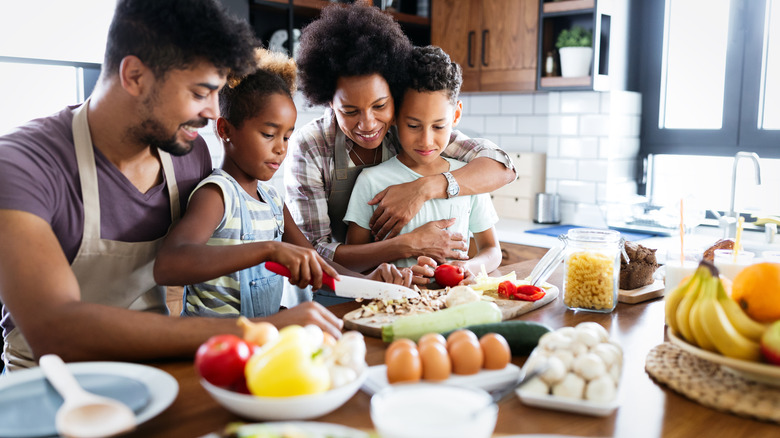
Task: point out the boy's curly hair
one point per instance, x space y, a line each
176 34
245 96
431 69
353 40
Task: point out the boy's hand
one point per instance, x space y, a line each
305 265
396 206
389 273
423 270
435 241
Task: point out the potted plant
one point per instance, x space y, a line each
575 46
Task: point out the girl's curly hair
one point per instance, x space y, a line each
244 96
353 40
431 69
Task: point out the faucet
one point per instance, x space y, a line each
729 221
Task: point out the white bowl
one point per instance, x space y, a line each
433 410
301 407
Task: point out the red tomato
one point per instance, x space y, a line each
507 289
221 360
527 289
533 297
448 275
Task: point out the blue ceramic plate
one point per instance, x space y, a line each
28 403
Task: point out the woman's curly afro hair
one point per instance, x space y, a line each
355 40
431 69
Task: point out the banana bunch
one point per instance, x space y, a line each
701 312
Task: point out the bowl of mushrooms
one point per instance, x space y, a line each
582 375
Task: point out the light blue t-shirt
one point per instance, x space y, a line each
473 213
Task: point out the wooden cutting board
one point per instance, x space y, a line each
372 325
644 293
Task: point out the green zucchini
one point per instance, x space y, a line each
522 336
414 326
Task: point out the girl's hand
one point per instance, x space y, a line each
389 273
305 265
468 276
423 270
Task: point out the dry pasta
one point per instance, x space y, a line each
590 281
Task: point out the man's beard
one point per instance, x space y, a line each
153 133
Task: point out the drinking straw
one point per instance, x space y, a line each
740 224
682 234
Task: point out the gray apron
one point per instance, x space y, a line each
109 272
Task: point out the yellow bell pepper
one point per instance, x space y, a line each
287 367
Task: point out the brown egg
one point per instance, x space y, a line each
496 351
399 343
432 337
466 356
436 363
459 334
403 365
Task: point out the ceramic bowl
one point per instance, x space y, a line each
301 407
433 410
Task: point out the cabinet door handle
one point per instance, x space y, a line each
484 38
470 62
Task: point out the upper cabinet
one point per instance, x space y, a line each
608 22
494 41
274 19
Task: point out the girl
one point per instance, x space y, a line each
234 222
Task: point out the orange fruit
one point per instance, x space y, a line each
757 290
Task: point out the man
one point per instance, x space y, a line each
87 194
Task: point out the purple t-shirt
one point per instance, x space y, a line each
39 174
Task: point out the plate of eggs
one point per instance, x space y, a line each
462 359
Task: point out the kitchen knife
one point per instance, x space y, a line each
353 287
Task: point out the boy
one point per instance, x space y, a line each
428 111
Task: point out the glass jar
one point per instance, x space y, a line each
591 269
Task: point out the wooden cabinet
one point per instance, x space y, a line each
515 253
494 41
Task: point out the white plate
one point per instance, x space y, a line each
488 380
304 429
567 404
162 387
759 372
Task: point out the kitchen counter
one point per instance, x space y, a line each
647 409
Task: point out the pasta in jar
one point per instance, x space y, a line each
591 270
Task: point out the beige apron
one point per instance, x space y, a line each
109 272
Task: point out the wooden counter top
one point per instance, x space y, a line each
646 409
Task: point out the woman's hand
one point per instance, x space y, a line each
305 265
435 241
396 206
389 273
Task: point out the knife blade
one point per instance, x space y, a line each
354 287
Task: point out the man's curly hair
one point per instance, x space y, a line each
176 34
353 40
431 69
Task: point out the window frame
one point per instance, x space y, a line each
739 130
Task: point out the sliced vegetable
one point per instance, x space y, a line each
527 289
414 326
507 289
522 336
533 297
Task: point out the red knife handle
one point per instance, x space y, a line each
277 268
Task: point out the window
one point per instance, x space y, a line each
50 55
712 85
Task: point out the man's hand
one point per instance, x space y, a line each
389 273
309 313
396 206
435 241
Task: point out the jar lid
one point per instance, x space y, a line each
593 235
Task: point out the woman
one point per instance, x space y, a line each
353 59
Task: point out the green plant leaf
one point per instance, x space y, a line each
577 36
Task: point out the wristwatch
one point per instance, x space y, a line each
452 185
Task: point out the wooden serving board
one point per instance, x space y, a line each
644 293
372 325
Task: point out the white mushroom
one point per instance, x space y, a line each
567 331
608 353
572 386
536 386
460 295
615 371
598 328
566 356
589 366
553 341
555 372
601 390
587 336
